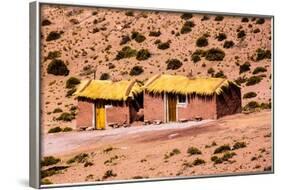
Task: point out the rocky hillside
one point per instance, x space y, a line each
79 43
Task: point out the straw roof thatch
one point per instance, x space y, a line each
182 85
108 90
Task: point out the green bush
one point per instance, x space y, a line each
202 42
244 19
226 156
215 54
109 173
53 36
67 129
205 17
198 161
244 67
187 27
228 44
173 64
138 37
193 151
241 80
125 39
49 160
66 117
80 158
46 22
219 18
55 130
143 54
253 80
70 92
186 16
251 105
249 95
136 70
219 74
216 160
52 171
126 52
163 45
257 30
241 34
196 56
53 55
57 110
259 70
211 71
221 36
104 76
155 33
111 66
260 21
129 13
262 54
72 82
222 149
239 145
57 67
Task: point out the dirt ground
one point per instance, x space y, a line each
137 154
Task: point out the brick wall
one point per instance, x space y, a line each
85 114
117 114
153 107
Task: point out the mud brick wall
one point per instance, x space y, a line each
84 116
229 102
153 107
117 114
204 107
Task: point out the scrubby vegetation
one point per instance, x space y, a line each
193 151
70 92
205 17
67 129
249 95
172 153
53 55
219 74
49 160
155 33
251 105
55 130
187 27
260 21
143 54
202 42
244 19
80 158
125 39
66 117
226 156
126 52
163 45
52 171
138 37
46 22
239 145
222 148
173 64
53 36
241 34
57 67
244 67
198 161
57 110
228 44
72 82
215 54
109 173
129 13
46 182
219 18
104 76
221 36
211 71
253 80
186 16
262 54
136 70
259 70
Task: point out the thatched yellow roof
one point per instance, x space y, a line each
182 85
108 90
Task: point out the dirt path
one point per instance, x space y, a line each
62 143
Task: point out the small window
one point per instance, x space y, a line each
182 99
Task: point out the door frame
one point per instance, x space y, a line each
166 109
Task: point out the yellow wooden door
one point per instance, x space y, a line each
172 106
100 116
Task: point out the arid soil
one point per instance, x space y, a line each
164 153
90 39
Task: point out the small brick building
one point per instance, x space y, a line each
172 98
103 103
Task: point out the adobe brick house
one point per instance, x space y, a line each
172 98
103 103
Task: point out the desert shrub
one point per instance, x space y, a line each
253 80
262 54
67 129
226 156
129 13
257 30
193 151
239 145
46 182
46 22
126 52
214 54
241 34
189 24
143 54
53 55
202 42
260 21
57 110
186 16
136 70
241 80
138 37
244 19
109 173
259 70
195 57
228 44
216 160
219 74
219 18
187 27
222 149
173 64
87 164
175 151
70 92
55 130
198 161
80 158
74 21
265 105
72 82
49 160
163 45
157 41
251 105
249 95
104 76
205 17
111 66
52 171
53 36
66 117
155 33
125 39
244 67
221 36
95 30
211 71
107 150
57 67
